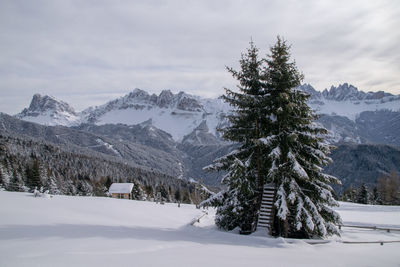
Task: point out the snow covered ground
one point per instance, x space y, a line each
90 231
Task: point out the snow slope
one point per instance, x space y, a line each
88 231
346 100
352 109
50 118
179 116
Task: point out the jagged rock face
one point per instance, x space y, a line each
49 111
165 99
342 93
177 114
140 99
186 102
41 104
138 94
201 136
183 115
315 95
346 92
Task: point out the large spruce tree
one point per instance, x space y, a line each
278 143
238 204
298 153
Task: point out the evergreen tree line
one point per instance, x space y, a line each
385 192
26 164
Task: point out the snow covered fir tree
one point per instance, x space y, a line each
278 143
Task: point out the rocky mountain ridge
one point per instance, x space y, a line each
344 110
175 134
139 99
48 110
347 92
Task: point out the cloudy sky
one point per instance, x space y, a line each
89 52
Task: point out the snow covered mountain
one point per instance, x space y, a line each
175 134
47 110
178 114
353 116
187 118
346 100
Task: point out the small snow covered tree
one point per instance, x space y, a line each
376 197
363 195
33 175
350 194
16 182
137 191
51 185
4 176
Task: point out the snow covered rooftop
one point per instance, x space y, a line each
121 188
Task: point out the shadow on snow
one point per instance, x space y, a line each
185 233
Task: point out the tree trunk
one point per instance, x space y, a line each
260 181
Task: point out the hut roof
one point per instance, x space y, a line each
121 188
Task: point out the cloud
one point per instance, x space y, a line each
104 49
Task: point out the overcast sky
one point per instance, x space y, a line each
89 52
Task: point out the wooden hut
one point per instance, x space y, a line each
121 190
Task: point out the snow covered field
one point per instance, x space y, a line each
90 231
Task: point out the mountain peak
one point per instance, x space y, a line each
315 95
165 98
344 92
200 136
41 104
48 110
138 94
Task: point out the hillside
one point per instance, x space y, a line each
147 148
357 164
140 145
70 169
